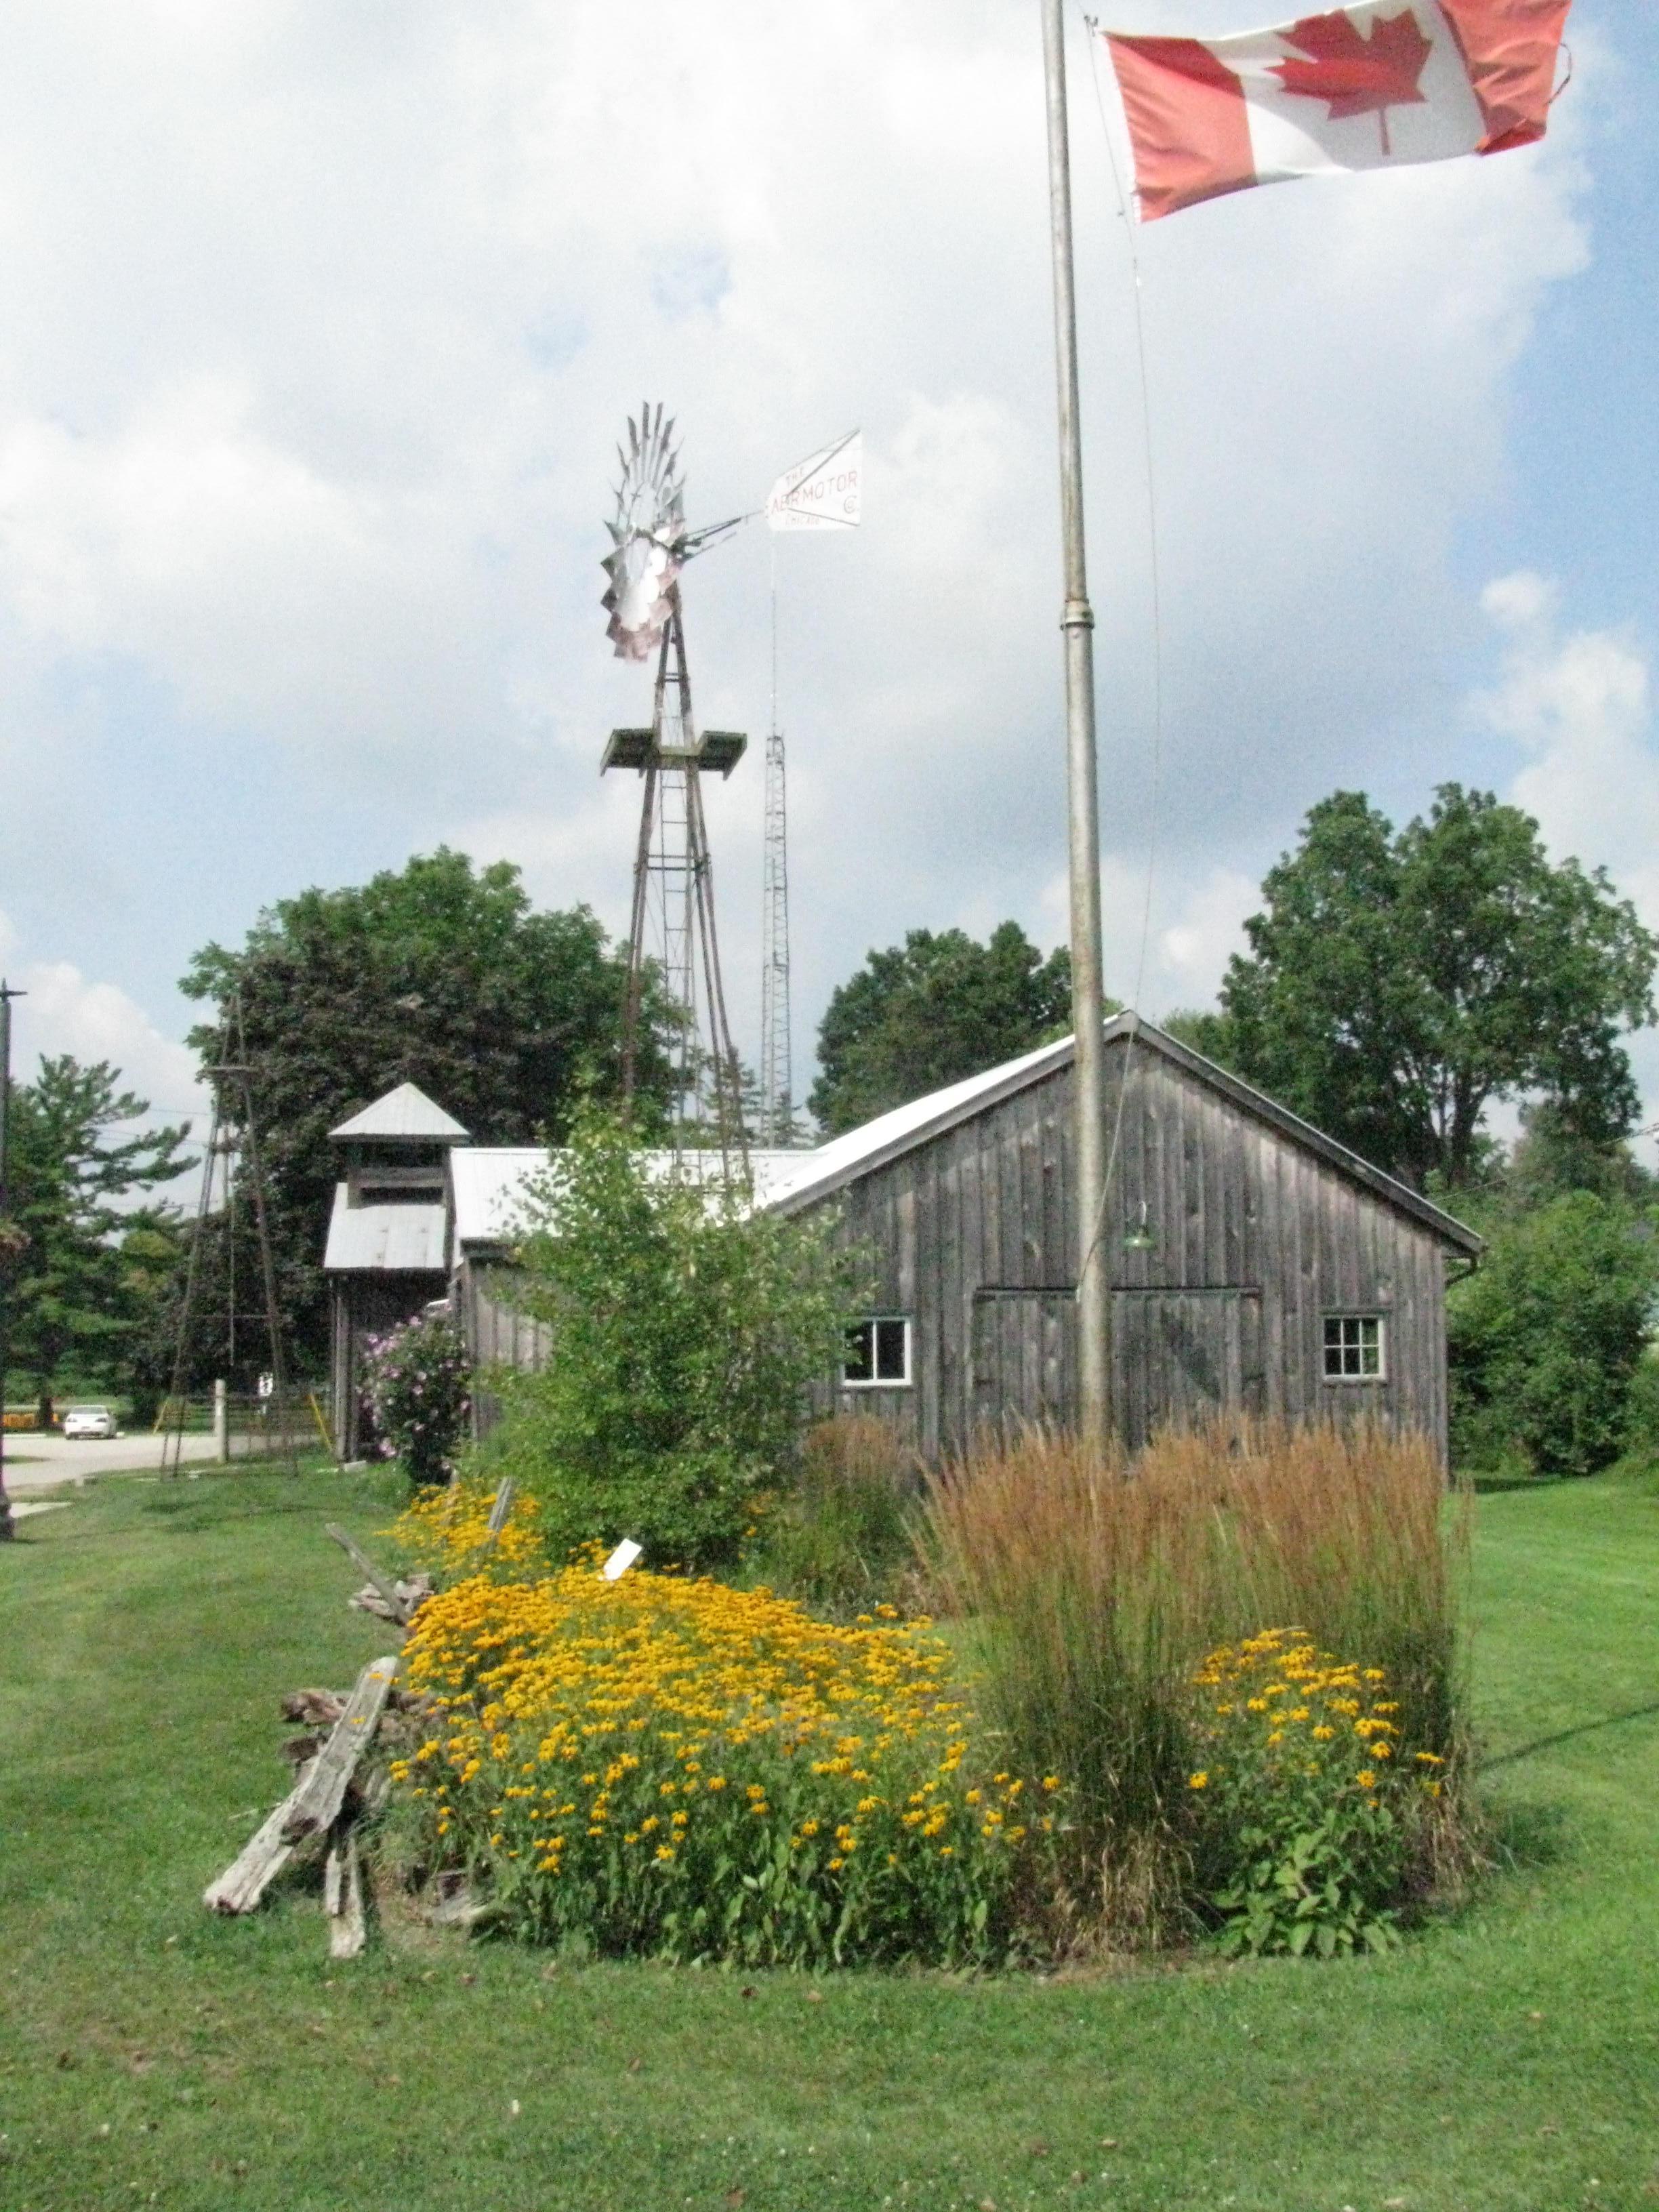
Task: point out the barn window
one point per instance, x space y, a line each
1354 1348
878 1353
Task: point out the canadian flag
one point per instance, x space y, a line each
1362 87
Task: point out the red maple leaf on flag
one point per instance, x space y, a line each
1355 75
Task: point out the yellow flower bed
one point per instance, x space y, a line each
446 1529
1303 1795
678 1767
1296 1711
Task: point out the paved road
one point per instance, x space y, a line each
42 1462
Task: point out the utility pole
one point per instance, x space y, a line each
1077 624
7 994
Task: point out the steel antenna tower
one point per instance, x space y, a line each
671 928
777 1073
823 492
777 1109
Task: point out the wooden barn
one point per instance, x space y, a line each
388 1255
1255 1262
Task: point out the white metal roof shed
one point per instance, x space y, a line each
489 1182
395 1239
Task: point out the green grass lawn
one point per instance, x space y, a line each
152 2054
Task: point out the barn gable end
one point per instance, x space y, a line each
1235 1236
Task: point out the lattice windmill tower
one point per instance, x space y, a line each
672 924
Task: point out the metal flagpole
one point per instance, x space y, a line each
1077 624
7 994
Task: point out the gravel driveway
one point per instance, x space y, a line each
42 1462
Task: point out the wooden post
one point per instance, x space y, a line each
498 1510
399 1608
254 1868
316 1800
221 1421
342 1891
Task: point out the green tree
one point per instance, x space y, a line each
439 975
74 1294
1546 1337
1200 1028
930 1011
1398 984
1551 1157
686 1328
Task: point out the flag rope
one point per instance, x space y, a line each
1155 564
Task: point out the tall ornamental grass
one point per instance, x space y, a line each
1092 1588
839 1538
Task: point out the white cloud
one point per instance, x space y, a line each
62 1012
329 319
1174 944
1195 947
1579 706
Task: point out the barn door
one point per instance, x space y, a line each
1024 1355
1180 1354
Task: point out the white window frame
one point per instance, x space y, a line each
1338 1319
874 1382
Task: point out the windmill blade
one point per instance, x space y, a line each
648 536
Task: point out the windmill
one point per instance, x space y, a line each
673 921
673 913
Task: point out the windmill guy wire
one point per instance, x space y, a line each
1092 27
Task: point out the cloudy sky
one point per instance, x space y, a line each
321 322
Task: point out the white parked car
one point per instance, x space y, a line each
89 1421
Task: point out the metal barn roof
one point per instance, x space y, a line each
394 1240
845 1159
406 1112
489 1183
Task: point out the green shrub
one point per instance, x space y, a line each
1546 1337
840 1539
415 1389
685 1328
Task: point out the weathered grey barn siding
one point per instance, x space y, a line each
1233 1232
498 1334
1254 1238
